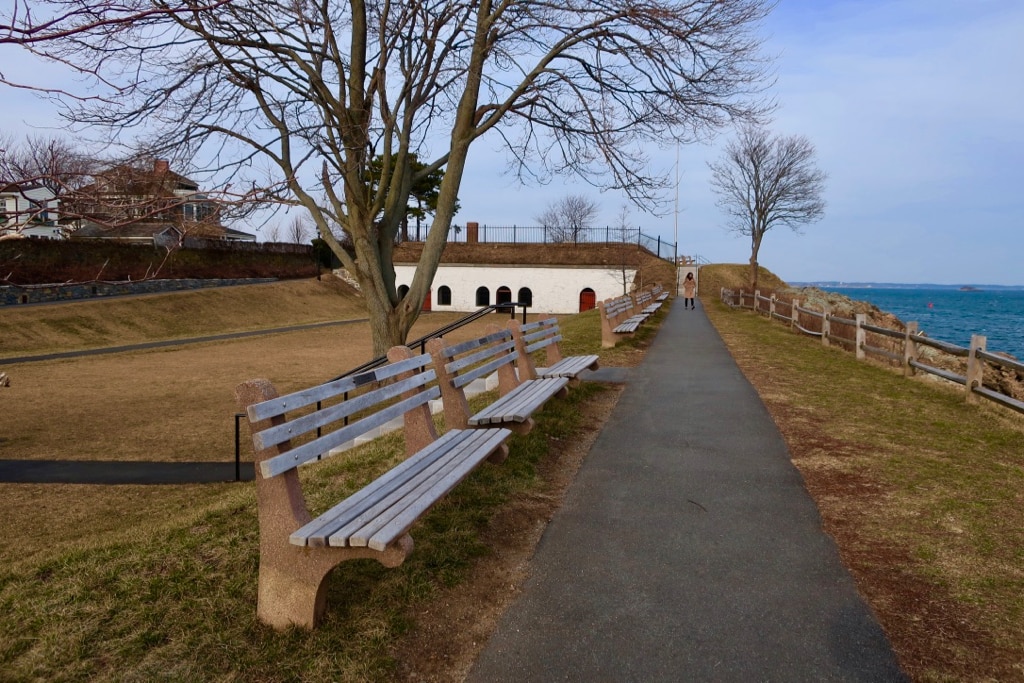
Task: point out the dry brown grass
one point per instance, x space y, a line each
98 323
172 404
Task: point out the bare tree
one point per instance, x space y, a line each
49 163
298 230
272 232
313 92
629 257
566 219
52 162
765 180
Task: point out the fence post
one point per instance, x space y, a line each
909 349
861 335
794 313
975 367
826 325
771 307
757 301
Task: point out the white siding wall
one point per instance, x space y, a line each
556 289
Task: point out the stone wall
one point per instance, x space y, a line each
37 294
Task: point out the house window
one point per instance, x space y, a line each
483 296
503 295
444 295
525 296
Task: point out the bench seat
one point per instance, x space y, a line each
651 309
382 512
630 325
520 403
569 367
544 335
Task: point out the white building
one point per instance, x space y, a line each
561 289
29 211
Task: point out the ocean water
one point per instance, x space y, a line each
952 315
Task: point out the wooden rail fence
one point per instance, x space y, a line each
900 347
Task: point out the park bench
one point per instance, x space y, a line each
460 364
659 293
545 334
618 319
297 551
644 303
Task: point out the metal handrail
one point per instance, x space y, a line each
440 332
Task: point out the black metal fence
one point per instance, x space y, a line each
518 234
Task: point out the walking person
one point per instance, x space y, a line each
689 290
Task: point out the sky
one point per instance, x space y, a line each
915 107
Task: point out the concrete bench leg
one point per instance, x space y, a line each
293 580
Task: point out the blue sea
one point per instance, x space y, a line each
952 315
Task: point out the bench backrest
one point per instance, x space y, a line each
540 334
459 364
402 386
531 337
614 308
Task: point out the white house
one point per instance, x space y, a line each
29 211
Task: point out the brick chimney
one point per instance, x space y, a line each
161 166
472 233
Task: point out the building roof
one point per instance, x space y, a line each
124 232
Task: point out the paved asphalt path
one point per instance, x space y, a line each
687 548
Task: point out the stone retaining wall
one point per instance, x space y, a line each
37 294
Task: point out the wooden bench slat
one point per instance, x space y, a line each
317 531
307 397
569 367
356 530
374 500
545 342
458 349
519 404
476 450
513 407
485 369
273 436
317 447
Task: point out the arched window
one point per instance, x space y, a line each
444 295
588 300
402 291
503 295
483 296
525 296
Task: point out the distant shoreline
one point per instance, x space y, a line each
905 285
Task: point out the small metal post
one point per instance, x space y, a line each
238 446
